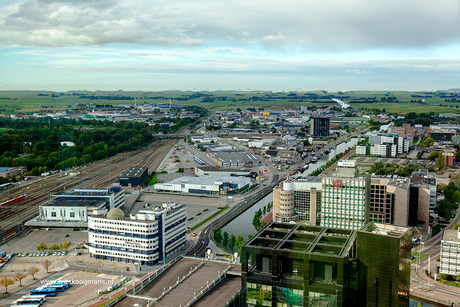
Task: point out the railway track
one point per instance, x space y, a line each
97 175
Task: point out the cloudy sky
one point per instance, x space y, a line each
235 45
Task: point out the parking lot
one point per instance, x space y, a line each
29 243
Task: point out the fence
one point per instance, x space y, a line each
211 285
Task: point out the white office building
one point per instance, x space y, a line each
450 252
345 198
145 238
114 196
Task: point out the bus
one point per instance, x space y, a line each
35 300
44 291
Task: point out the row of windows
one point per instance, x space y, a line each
125 255
71 214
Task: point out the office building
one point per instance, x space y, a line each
423 179
114 197
345 197
134 176
450 252
319 126
288 264
145 238
299 200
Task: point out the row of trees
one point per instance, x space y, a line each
19 276
259 214
36 143
43 247
230 242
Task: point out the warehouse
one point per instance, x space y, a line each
207 185
219 171
134 176
234 159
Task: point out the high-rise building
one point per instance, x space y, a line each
303 265
145 238
319 126
298 199
345 197
450 252
389 200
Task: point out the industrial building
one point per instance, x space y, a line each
220 171
345 197
450 252
145 238
9 172
234 158
319 126
298 200
205 185
134 176
288 264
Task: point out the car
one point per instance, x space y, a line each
24 254
54 254
194 234
59 254
30 255
47 254
67 235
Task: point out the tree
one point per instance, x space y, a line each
46 265
433 156
6 282
225 239
232 241
32 271
239 243
65 245
256 220
54 246
442 276
42 246
262 224
19 277
218 235
441 163
429 141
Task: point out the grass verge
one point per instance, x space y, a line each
211 217
422 256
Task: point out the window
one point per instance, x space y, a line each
72 214
53 214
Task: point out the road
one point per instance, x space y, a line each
205 235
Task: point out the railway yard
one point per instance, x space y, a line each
97 175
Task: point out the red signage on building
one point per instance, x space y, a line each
337 183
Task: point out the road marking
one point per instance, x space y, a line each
206 230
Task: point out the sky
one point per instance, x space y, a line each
199 45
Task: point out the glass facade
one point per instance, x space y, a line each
290 265
258 295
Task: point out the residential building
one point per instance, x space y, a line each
450 252
298 199
319 126
345 197
145 238
288 264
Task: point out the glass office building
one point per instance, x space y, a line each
291 265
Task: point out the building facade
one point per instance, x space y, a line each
145 238
319 126
299 265
206 185
298 199
345 197
450 252
134 176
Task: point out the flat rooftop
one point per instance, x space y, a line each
134 172
75 203
85 192
185 291
240 157
222 169
207 180
451 235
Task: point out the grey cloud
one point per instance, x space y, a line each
328 24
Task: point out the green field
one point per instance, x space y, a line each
27 102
